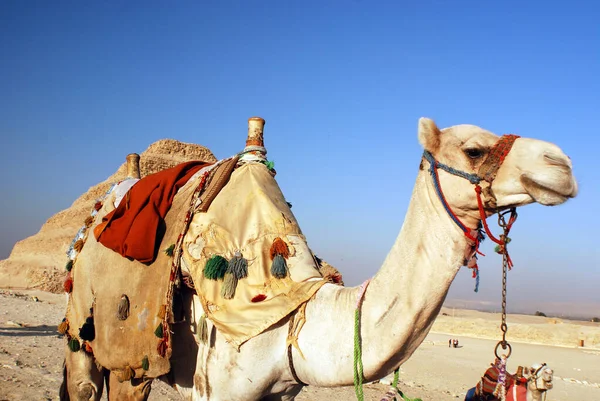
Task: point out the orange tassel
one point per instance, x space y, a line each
88 348
279 247
78 246
162 312
88 222
68 284
63 326
98 206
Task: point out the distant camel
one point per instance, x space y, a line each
529 384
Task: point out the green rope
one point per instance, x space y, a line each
358 365
396 377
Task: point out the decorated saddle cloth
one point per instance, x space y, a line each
120 309
248 258
515 388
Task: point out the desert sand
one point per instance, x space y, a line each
31 354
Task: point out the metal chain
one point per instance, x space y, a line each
505 266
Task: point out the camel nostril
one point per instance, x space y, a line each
557 160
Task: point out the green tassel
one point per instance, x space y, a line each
229 285
238 266
279 267
145 363
74 345
203 329
170 250
69 266
215 267
159 331
270 164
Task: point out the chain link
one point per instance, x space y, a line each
505 266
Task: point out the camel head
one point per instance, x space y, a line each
540 378
532 171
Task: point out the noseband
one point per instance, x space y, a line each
487 172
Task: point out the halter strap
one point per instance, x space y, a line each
493 161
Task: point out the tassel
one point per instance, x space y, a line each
123 310
87 332
145 363
159 331
89 221
215 267
259 298
238 266
69 266
78 246
63 326
203 329
74 345
279 267
170 250
126 374
88 348
279 247
98 206
229 285
162 312
162 348
68 284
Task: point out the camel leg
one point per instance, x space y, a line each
82 380
130 390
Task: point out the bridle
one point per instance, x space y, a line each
536 376
487 172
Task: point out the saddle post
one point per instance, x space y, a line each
133 165
256 127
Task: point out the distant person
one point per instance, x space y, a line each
449 343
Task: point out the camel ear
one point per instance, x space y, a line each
429 134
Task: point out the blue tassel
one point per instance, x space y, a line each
279 267
238 266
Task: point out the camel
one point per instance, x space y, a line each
398 305
529 384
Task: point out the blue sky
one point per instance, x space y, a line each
341 85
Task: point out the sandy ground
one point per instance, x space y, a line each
31 355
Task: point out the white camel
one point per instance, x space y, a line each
401 301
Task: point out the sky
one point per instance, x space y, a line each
341 85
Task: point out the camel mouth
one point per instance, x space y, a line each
549 192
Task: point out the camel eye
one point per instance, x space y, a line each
474 153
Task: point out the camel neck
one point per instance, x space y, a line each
399 305
405 296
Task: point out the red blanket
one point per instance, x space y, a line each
134 228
